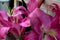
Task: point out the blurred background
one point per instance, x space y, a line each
5 4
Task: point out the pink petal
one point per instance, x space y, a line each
35 22
55 23
21 8
16 30
39 17
55 26
3 15
32 36
58 37
25 23
56 8
18 13
33 4
3 31
4 23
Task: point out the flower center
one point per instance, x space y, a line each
50 32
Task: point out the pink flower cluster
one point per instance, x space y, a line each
43 26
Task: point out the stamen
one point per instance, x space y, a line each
55 37
52 33
16 19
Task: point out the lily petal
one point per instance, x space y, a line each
31 36
3 15
40 18
3 32
21 8
25 23
32 4
55 23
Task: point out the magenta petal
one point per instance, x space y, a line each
41 16
58 37
32 5
35 22
20 8
45 18
25 23
19 12
3 15
55 26
31 36
4 23
12 19
56 8
3 31
16 30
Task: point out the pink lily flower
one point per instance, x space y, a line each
45 27
26 12
16 23
36 23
